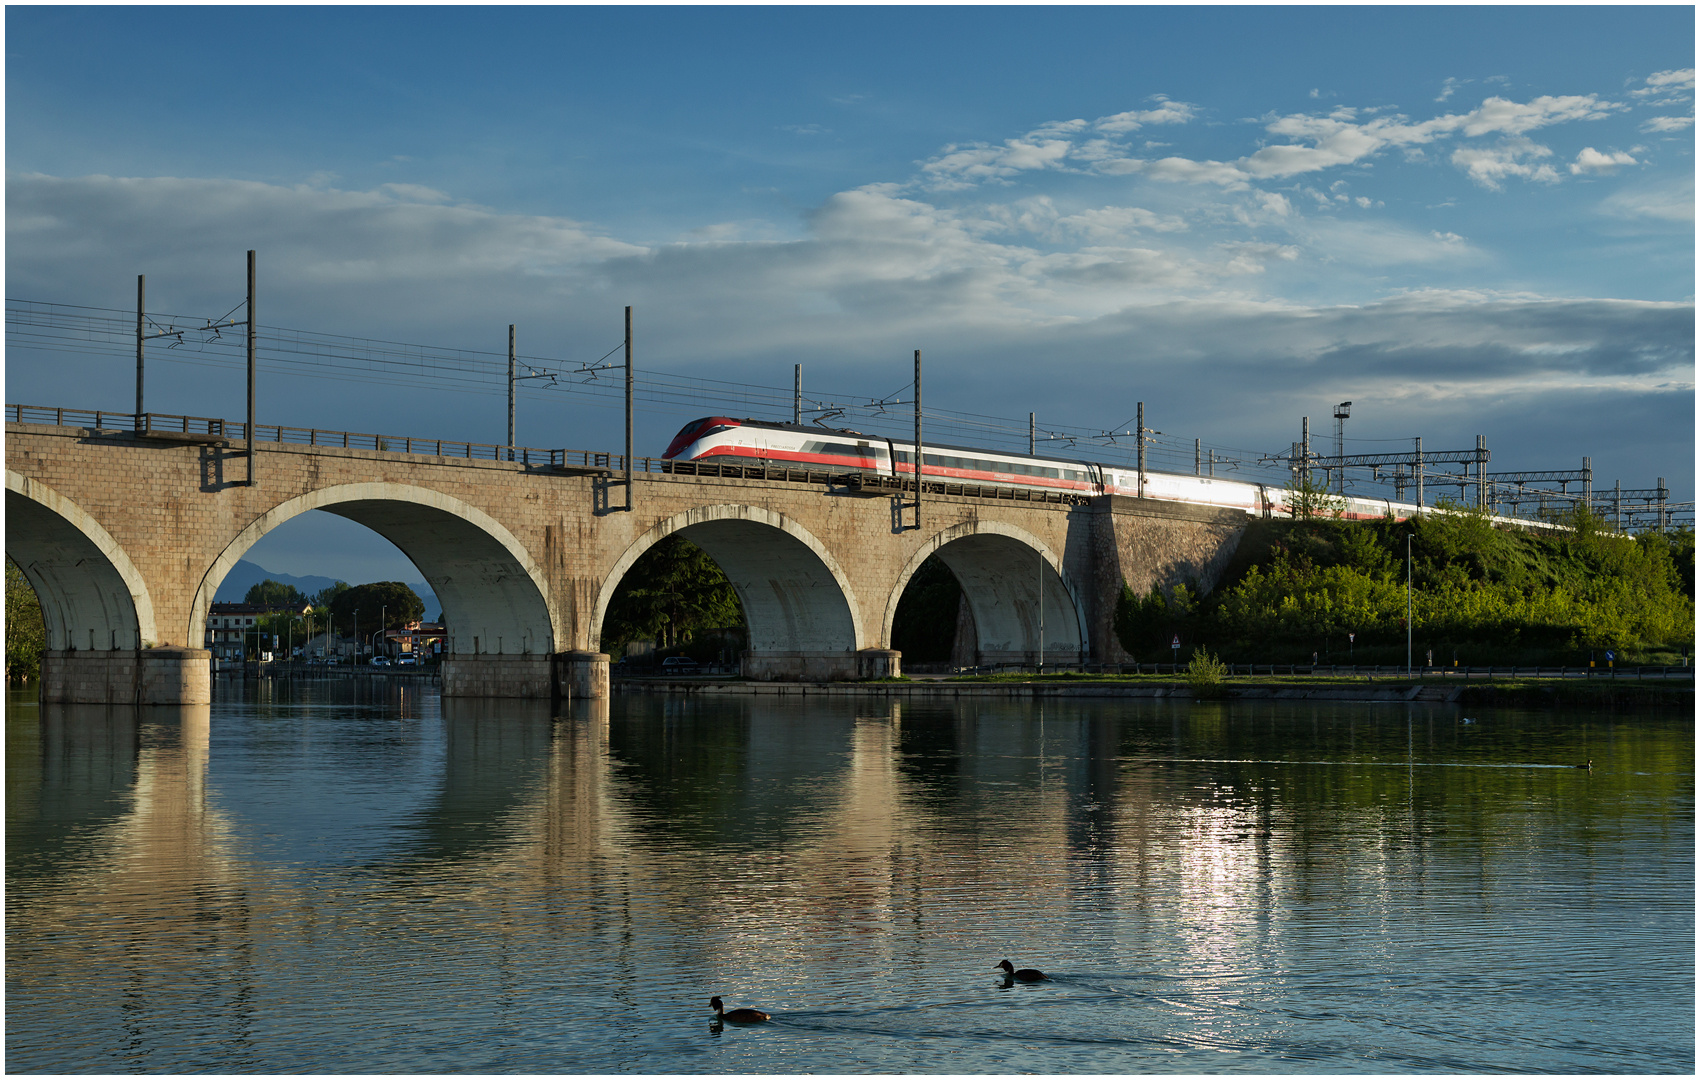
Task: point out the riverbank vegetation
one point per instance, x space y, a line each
25 635
1478 594
677 598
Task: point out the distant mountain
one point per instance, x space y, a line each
245 575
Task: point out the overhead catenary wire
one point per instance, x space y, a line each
76 329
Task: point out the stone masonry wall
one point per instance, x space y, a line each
176 509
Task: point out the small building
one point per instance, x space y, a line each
420 639
229 626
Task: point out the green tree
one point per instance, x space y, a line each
1488 592
673 591
26 636
321 600
1309 499
269 593
1147 626
381 605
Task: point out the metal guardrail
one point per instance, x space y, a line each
235 431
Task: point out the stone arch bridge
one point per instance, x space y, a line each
126 537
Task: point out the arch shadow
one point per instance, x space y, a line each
92 596
494 595
1014 585
802 614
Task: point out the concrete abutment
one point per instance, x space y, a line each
162 676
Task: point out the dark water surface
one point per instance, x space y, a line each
307 881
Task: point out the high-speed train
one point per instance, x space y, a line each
728 441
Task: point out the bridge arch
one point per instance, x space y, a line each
803 618
1014 583
490 587
92 596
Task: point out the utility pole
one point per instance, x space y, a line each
250 368
1139 423
1032 433
1481 471
1198 457
797 394
920 451
629 499
510 391
1419 471
1304 452
141 306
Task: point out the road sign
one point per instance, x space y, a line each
1176 644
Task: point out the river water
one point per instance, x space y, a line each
329 878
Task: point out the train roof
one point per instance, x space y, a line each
822 429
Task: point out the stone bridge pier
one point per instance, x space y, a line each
126 539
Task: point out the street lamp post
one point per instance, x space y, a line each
1407 605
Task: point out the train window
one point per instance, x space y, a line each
841 449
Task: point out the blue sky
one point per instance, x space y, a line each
1466 221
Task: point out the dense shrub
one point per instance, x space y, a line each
1301 586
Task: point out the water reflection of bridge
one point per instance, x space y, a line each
134 848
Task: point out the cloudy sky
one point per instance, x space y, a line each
1465 221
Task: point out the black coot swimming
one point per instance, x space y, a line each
737 1016
1023 974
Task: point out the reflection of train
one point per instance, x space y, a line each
723 440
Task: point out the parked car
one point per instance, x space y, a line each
678 665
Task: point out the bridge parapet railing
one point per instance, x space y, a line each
208 427
237 431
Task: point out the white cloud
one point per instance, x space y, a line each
1489 165
1497 115
1110 222
1334 140
1186 171
1681 79
1318 143
1668 123
964 166
1594 161
416 193
395 232
1250 257
1655 202
1355 241
1166 112
1671 86
1138 303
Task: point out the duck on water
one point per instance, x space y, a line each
1010 971
737 1016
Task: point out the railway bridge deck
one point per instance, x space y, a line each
125 530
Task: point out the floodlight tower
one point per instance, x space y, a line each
1341 412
